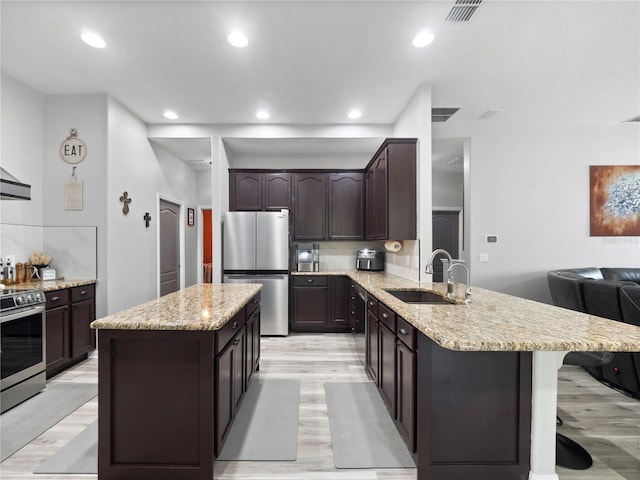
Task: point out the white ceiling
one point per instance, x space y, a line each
310 62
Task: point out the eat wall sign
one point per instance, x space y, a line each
73 150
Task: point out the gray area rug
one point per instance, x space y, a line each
362 432
80 455
30 419
266 426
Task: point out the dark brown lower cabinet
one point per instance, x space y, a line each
155 405
320 303
58 350
474 414
309 302
69 312
230 384
387 367
406 394
462 414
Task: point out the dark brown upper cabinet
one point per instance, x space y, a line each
310 206
346 206
277 191
390 191
259 191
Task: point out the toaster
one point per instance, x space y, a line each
367 259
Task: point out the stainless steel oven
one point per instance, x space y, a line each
22 346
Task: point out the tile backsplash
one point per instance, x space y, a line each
73 250
339 255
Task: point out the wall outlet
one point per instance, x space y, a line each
484 258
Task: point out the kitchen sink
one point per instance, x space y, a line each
418 296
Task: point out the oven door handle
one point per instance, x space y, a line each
22 313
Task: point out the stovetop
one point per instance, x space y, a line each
12 299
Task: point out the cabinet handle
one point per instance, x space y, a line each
237 341
235 325
83 292
309 280
55 299
403 331
385 316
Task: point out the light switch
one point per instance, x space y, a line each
484 257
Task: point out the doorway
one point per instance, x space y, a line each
446 235
169 250
207 246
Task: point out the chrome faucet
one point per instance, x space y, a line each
450 290
467 293
429 266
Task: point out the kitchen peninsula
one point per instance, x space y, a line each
485 374
171 373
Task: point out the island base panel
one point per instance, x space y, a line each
155 405
474 414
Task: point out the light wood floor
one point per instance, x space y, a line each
606 422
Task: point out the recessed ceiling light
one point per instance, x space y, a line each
423 38
353 114
170 114
93 39
262 114
238 39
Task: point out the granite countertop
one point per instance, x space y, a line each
204 306
494 321
51 285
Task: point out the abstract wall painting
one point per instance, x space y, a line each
615 200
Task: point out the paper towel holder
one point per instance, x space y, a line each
393 246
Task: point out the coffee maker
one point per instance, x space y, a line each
308 257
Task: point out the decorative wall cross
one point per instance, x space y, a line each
126 201
147 219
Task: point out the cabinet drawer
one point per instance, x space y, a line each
406 333
387 316
372 306
252 305
57 298
85 292
227 332
309 281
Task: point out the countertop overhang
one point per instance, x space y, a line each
205 306
495 321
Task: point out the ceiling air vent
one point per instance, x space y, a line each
463 10
634 119
442 114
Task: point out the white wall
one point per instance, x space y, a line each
415 122
145 175
447 190
529 184
88 114
21 120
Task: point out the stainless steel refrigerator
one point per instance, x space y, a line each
256 250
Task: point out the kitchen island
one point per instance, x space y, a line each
171 373
486 375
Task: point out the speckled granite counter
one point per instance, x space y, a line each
205 306
497 322
51 285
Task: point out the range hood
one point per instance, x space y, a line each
13 189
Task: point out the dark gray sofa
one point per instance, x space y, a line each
612 293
